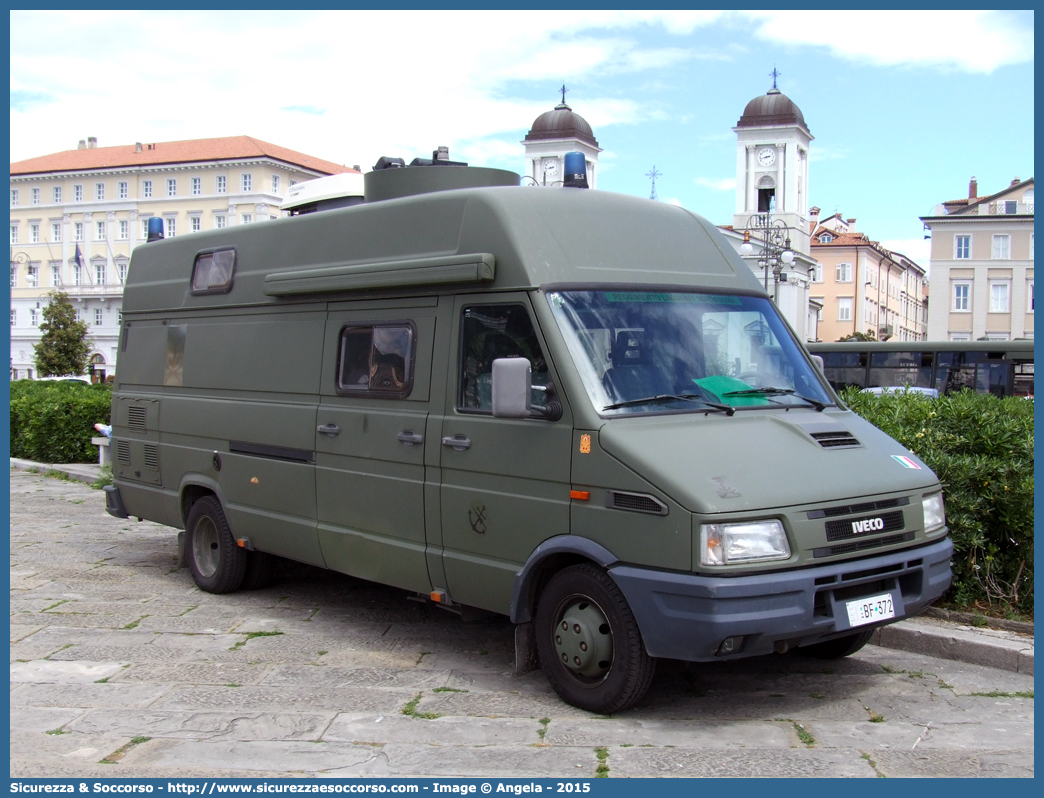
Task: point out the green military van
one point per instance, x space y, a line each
575 408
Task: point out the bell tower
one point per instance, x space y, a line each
772 142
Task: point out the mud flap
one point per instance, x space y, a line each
525 649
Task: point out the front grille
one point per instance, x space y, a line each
855 509
841 530
634 502
835 440
862 545
136 418
123 452
152 456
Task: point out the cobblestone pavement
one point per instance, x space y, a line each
120 666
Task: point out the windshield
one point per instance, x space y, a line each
654 352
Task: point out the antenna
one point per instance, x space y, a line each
652 176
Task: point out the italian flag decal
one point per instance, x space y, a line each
906 462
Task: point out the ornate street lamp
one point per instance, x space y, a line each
773 238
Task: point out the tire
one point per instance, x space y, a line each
588 642
260 570
216 561
838 647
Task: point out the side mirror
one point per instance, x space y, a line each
819 363
512 377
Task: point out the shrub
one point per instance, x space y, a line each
53 422
981 448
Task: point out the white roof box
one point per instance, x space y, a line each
324 193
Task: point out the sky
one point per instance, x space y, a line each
905 106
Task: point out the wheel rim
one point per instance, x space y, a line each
583 639
205 549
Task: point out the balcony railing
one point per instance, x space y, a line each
1001 208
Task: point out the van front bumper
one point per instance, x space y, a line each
688 617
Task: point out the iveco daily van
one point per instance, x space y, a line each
572 407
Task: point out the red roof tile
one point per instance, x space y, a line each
165 152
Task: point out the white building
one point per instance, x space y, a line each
553 134
77 215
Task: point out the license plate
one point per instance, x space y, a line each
868 610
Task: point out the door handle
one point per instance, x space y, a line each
408 437
329 430
458 442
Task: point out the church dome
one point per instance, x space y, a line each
561 123
773 108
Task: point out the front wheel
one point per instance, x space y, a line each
588 642
215 559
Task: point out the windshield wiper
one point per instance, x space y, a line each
687 397
819 406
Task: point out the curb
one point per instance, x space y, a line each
932 635
945 640
78 472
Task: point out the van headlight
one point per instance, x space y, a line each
934 513
731 544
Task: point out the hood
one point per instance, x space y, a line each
758 460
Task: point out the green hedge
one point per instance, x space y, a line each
53 422
981 447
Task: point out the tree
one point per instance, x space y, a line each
858 336
64 346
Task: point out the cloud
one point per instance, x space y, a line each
305 109
718 184
23 100
970 41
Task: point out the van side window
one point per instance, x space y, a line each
212 272
376 359
489 332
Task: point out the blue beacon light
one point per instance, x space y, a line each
575 170
155 229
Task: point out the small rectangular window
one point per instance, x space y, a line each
14 284
124 229
962 247
275 184
34 234
219 221
32 277
34 319
99 274
172 187
998 297
56 194
123 191
56 274
376 359
99 191
78 193
961 297
99 231
35 193
146 189
844 272
14 197
246 182
56 231
1002 247
844 309
222 184
14 234
248 218
14 317
98 317
1029 291
213 271
171 225
194 223
197 186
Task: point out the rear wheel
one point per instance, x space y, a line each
838 647
588 642
215 559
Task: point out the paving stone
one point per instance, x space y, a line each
75 672
86 695
752 762
193 673
42 719
443 731
248 698
311 675
631 732
305 758
205 725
